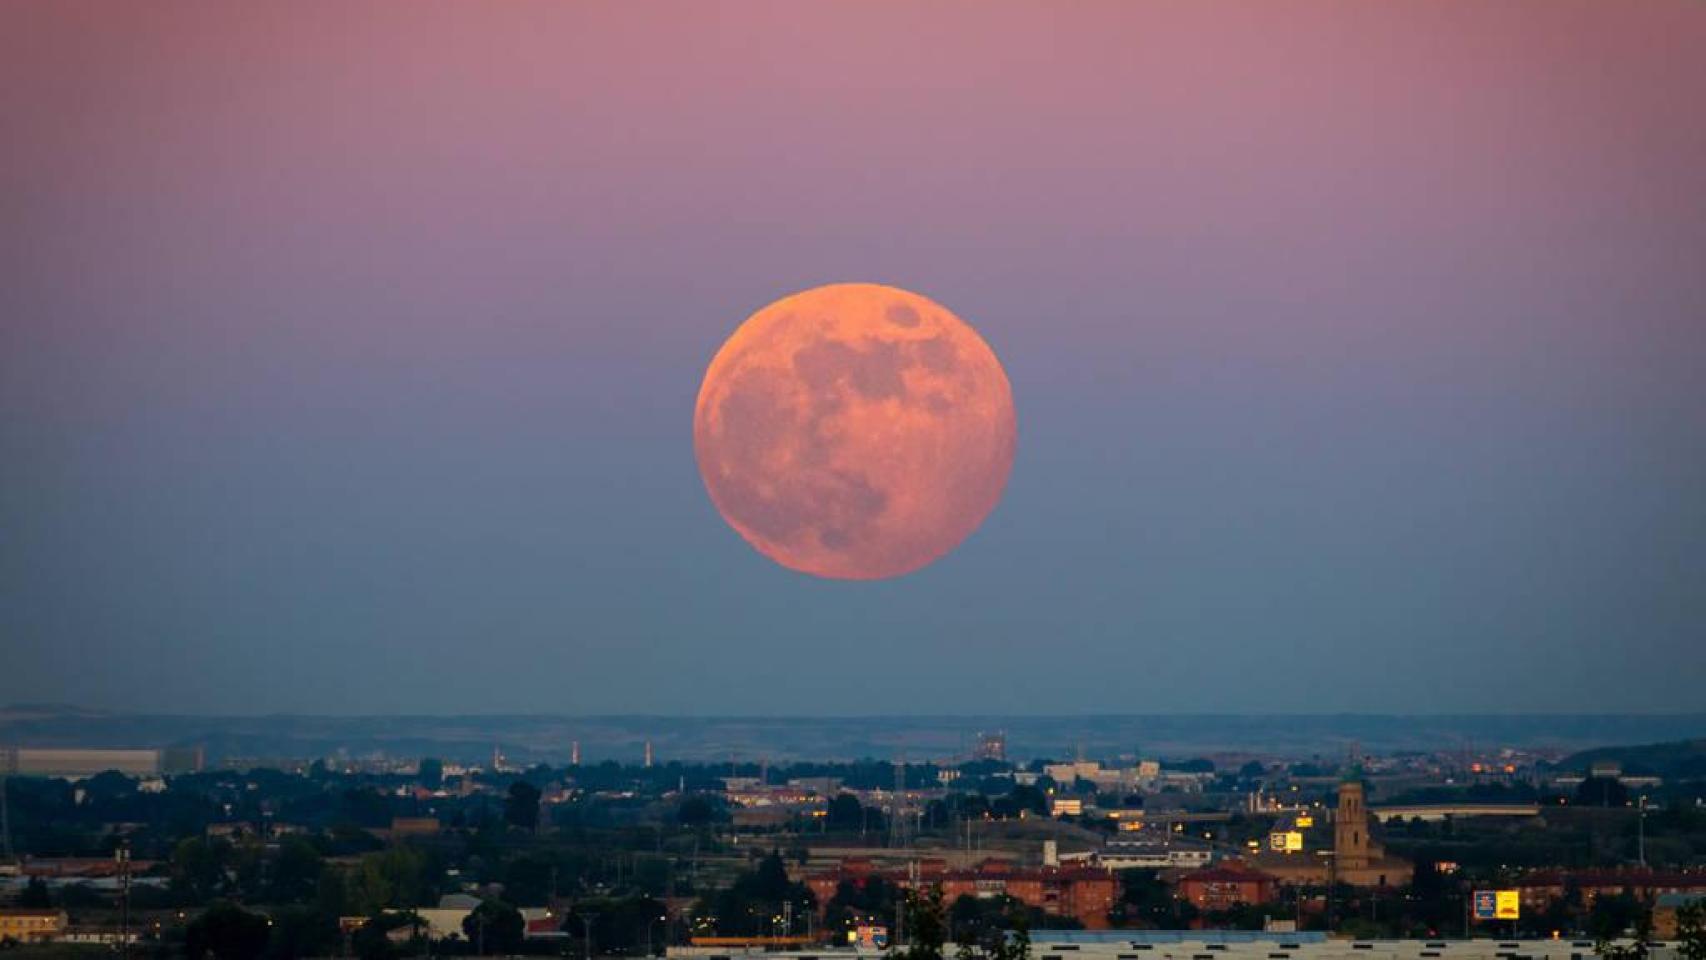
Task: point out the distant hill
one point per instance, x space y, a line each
1678 760
547 738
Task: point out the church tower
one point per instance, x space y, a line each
1352 848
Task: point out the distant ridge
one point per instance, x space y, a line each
529 738
1685 759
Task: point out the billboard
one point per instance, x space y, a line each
1290 841
1498 904
869 937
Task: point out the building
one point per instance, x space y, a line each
542 923
77 764
1356 859
1086 894
1226 886
1540 888
445 919
817 786
25 925
80 868
1664 912
1065 807
231 830
1105 779
1431 812
1153 855
414 827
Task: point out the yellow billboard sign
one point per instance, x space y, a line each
1508 905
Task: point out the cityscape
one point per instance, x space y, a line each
853 479
378 854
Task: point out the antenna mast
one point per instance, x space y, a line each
8 760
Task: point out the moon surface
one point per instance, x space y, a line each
854 431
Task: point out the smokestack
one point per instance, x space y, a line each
574 753
648 754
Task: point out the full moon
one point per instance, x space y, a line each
854 431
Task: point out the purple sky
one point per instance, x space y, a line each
348 352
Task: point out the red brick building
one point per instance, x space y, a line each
1226 886
1538 889
1083 893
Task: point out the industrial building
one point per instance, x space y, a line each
74 763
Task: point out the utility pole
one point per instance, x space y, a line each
900 905
1467 894
122 855
1641 832
586 925
897 823
5 818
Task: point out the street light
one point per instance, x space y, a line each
586 925
649 924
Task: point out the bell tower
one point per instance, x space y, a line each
1352 847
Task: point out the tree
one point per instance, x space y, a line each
1148 902
83 896
747 907
1691 931
391 878
295 871
521 806
302 932
844 813
770 880
198 867
227 932
620 926
871 897
35 895
1023 799
1612 915
431 773
1639 945
697 811
1601 792
997 928
372 940
494 927
926 926
365 808
1016 945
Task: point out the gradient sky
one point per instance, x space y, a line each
348 352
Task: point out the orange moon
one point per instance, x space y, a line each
854 431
